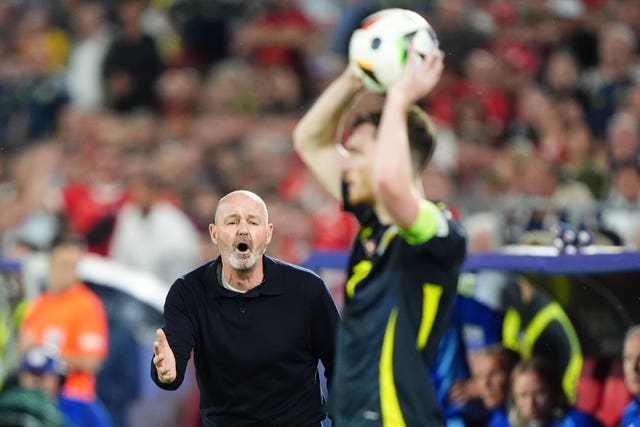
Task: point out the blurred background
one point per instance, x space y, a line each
111 107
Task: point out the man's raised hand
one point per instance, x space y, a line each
163 359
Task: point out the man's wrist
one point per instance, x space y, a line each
398 99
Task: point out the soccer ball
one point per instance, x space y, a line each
378 49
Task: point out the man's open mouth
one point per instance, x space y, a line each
242 247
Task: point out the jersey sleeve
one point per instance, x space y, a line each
436 233
430 222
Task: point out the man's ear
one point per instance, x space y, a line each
269 233
213 233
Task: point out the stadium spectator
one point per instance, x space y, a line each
384 348
491 368
585 159
258 327
459 31
13 304
153 234
278 36
70 320
92 36
632 101
132 64
621 212
631 370
88 154
177 91
92 191
623 137
535 325
561 74
472 325
203 29
615 73
32 83
538 399
541 181
31 396
482 81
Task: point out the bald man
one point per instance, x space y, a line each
257 327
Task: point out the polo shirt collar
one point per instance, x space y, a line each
272 284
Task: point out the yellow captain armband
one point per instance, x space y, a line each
430 222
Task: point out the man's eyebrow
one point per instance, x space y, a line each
237 215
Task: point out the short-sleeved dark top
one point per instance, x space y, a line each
400 289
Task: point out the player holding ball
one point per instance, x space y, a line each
403 269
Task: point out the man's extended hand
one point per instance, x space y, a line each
163 359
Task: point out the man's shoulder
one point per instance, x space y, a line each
195 279
201 271
290 268
293 275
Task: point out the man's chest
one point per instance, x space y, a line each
252 331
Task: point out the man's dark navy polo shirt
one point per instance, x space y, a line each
255 354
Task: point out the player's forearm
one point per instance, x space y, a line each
393 171
319 126
393 158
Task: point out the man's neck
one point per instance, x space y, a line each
242 281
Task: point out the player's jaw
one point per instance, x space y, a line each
358 180
359 192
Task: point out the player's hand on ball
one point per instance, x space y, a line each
351 79
163 359
419 76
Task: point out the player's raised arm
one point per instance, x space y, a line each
394 174
316 135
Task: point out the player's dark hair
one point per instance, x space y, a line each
420 130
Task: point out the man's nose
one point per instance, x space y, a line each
243 228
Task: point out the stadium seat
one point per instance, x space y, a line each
615 396
590 385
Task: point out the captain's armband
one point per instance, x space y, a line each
430 222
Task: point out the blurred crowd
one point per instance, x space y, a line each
160 105
124 121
